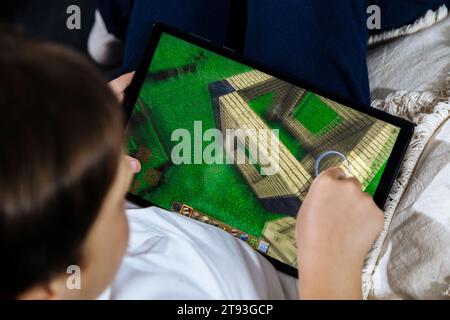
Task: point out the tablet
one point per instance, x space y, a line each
227 142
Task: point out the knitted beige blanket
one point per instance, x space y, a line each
429 110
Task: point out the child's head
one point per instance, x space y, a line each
63 175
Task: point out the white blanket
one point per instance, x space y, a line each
173 257
415 260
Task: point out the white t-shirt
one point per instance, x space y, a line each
173 257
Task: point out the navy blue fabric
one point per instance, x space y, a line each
209 19
320 42
116 14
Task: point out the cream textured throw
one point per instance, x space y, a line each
417 243
429 19
411 258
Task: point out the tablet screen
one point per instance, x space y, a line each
234 147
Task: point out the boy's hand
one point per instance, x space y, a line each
119 85
336 227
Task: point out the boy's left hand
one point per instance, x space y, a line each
120 84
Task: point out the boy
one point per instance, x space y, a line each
63 180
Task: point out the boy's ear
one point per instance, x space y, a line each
38 292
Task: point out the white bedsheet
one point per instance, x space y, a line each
173 257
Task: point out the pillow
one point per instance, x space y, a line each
417 62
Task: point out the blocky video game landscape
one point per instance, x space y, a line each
187 83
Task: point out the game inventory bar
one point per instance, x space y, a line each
190 212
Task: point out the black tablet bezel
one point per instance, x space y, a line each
393 164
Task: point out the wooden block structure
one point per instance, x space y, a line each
365 141
280 234
280 192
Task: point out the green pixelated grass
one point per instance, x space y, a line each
315 114
373 185
171 55
148 137
261 106
217 190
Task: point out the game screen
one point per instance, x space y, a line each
236 148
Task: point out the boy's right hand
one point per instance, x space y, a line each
336 227
120 84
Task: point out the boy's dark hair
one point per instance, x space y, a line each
61 136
